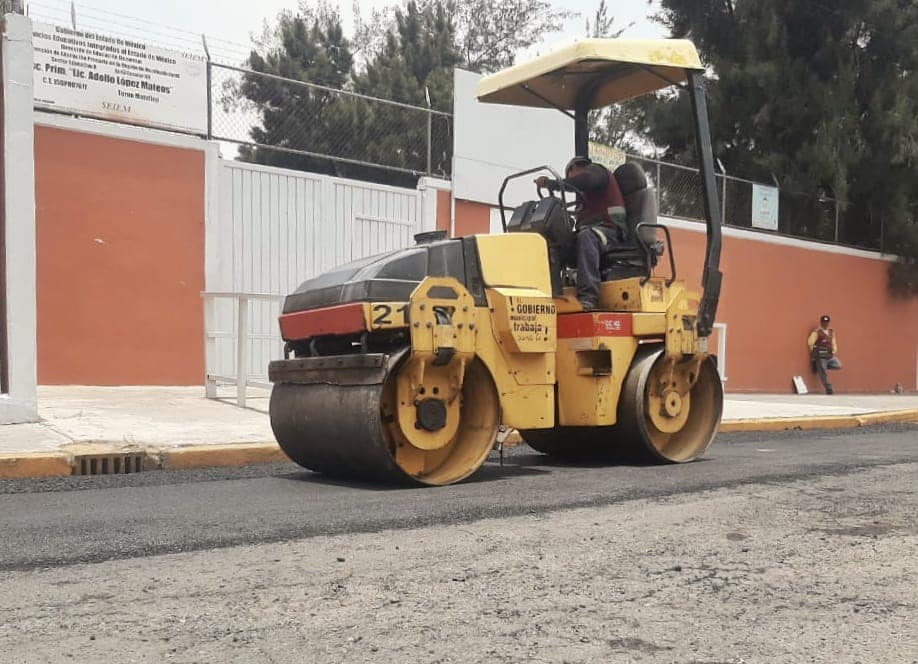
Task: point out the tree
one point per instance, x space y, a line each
11 7
412 66
823 97
307 46
490 34
419 53
603 25
403 53
619 124
424 40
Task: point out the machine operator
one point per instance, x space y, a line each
601 221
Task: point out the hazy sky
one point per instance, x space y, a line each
235 20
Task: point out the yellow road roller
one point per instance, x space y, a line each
404 367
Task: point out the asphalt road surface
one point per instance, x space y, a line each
776 547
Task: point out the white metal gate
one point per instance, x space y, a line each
277 227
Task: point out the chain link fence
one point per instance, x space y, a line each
285 122
296 124
305 126
806 216
282 121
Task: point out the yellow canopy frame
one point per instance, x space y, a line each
595 73
592 73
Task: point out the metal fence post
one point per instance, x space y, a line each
209 82
836 220
242 350
659 188
429 129
882 235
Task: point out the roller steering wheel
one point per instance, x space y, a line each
574 205
571 207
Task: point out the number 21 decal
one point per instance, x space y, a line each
382 315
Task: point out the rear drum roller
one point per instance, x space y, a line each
658 420
370 432
656 423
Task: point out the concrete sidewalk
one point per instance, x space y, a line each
175 427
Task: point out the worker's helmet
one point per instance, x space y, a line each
825 318
577 161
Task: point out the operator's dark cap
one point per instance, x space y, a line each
577 161
825 318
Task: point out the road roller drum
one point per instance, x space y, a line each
354 420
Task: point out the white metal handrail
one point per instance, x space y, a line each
241 378
721 351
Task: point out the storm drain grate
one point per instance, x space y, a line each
109 464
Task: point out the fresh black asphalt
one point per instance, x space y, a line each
63 521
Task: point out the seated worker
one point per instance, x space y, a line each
600 221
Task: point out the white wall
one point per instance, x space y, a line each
491 141
19 405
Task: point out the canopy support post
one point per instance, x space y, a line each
582 131
711 277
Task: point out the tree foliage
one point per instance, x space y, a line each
619 124
404 53
303 47
490 34
11 7
824 97
416 60
413 66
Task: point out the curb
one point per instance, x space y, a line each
66 462
213 456
36 464
765 424
825 422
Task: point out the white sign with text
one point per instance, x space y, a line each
104 76
765 207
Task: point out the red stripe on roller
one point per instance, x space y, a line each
342 319
573 326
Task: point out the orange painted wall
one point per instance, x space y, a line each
772 298
472 218
120 234
444 200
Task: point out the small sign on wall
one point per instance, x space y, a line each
765 207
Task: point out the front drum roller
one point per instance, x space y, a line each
347 423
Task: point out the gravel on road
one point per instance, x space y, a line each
814 570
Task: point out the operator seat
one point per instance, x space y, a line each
621 261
